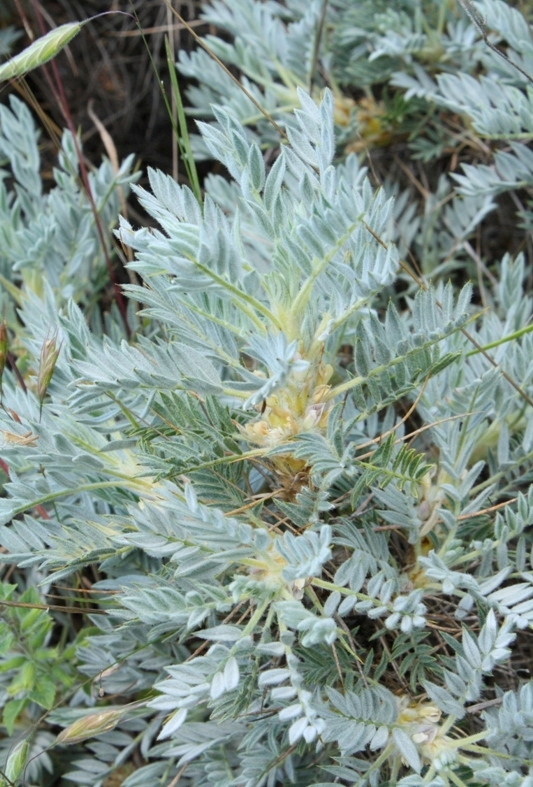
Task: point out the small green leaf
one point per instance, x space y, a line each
44 693
45 654
14 663
30 618
407 749
17 760
25 679
30 596
6 591
60 673
12 709
6 639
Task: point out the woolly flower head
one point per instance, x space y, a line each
421 721
299 406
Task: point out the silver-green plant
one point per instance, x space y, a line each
8 36
417 63
49 238
498 103
298 583
353 48
50 253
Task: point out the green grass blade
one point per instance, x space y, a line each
183 146
184 142
509 338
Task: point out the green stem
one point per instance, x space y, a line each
321 583
509 338
355 381
268 622
283 110
348 313
236 394
183 140
385 471
441 24
240 295
375 765
518 135
395 769
487 750
448 723
65 492
212 318
476 489
455 778
127 412
463 743
224 460
450 536
256 617
303 296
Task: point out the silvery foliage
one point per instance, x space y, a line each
50 238
362 43
50 254
373 41
499 102
8 36
439 228
273 48
249 551
511 723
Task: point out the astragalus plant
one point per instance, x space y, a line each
418 95
367 52
302 502
49 237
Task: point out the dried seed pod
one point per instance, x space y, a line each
89 726
47 362
95 724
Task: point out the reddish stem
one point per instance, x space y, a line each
13 364
63 103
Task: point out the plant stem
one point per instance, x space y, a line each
73 491
509 338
